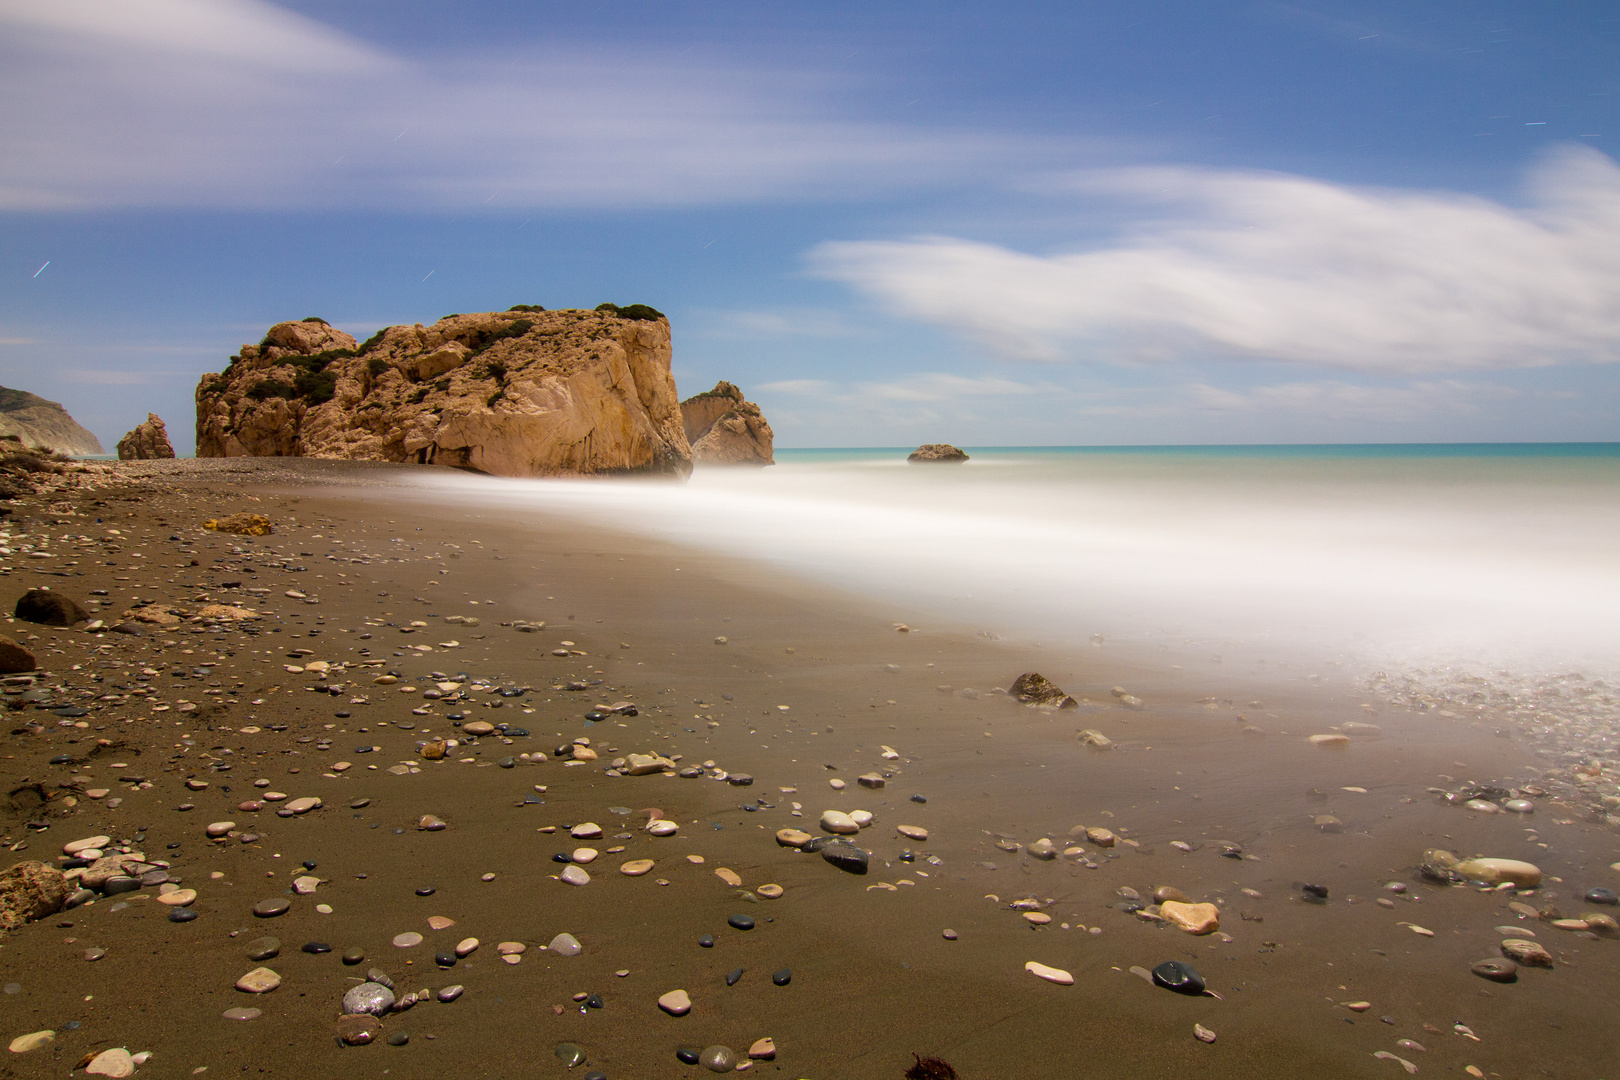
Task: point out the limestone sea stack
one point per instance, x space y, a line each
43 425
524 392
943 453
146 442
724 429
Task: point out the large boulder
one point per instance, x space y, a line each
47 608
525 392
14 658
146 442
943 453
29 891
724 429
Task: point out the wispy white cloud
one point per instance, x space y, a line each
1285 268
927 386
783 322
1337 400
242 104
17 341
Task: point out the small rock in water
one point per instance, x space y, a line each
22 1044
1502 971
1602 896
718 1059
1314 892
570 1054
769 892
1180 977
1519 806
1043 849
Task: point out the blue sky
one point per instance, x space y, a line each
1045 223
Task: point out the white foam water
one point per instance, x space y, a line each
1488 556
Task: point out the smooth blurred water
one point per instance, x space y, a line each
1501 555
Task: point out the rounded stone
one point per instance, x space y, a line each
358 1029
1526 953
220 828
1519 806
466 946
733 975
1602 896
354 955
263 948
408 940
718 1059
783 977
795 838
181 914
740 922
836 821
399 1038
676 1003
269 909
1180 977
688 1055
179 898
663 827
570 1054
450 993
372 998
573 875
1502 971
845 856
260 980
636 867
242 1014
706 941
565 945
769 892
445 958
317 947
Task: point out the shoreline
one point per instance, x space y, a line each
873 979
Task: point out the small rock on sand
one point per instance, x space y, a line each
636 867
1193 918
796 838
676 1003
573 875
22 1044
1526 953
836 821
565 945
763 1050
1050 974
260 980
586 830
910 832
115 1062
730 877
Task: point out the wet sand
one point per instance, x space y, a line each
873 979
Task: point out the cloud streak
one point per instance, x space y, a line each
1284 268
241 104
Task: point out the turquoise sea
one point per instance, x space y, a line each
1479 555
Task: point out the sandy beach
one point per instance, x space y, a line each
428 618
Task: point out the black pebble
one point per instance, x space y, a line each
907 855
62 759
740 922
354 956
733 976
595 717
317 947
918 798
594 1002
181 914
562 856
688 1056
399 1038
1182 978
1314 892
783 977
845 856
1602 896
445 959
342 715
309 864
707 941
426 890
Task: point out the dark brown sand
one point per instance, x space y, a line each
873 980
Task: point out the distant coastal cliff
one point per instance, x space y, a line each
42 424
525 392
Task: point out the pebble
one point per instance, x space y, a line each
409 939
663 827
718 1059
263 948
769 892
762 1050
1526 953
565 945
845 856
317 948
1197 919
1602 896
466 946
570 1054
439 922
219 828
730 877
115 1063
450 993
269 909
733 975
1100 837
584 855
354 955
372 998
399 1038
911 832
1519 806
588 830
517 948
948 934
1043 849
795 838
636 867
740 922
1168 892
676 1003
430 823
260 980
836 785
1180 977
1038 918
573 875
22 1044
304 805
1050 974
1502 971
242 1014
783 977
358 1029
179 898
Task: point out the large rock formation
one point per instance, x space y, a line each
146 442
44 425
723 429
943 453
526 392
